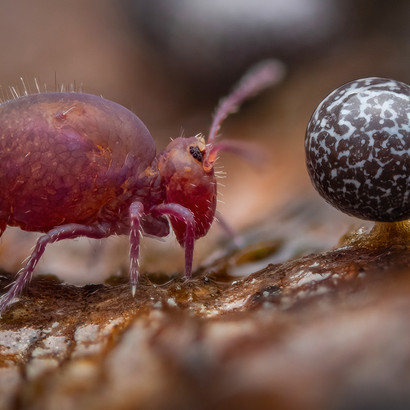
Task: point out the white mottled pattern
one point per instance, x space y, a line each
358 149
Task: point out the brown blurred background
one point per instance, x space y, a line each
171 60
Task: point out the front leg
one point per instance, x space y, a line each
229 231
186 216
136 212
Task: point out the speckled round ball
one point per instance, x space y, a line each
358 149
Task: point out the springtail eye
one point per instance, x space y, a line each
196 153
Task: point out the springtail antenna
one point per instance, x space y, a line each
263 75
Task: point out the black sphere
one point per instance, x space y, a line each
358 149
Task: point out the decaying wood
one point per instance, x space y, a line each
326 330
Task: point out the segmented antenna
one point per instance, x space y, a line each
259 77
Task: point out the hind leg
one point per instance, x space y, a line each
69 231
2 227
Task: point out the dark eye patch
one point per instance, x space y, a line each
196 153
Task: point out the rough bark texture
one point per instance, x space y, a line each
326 330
